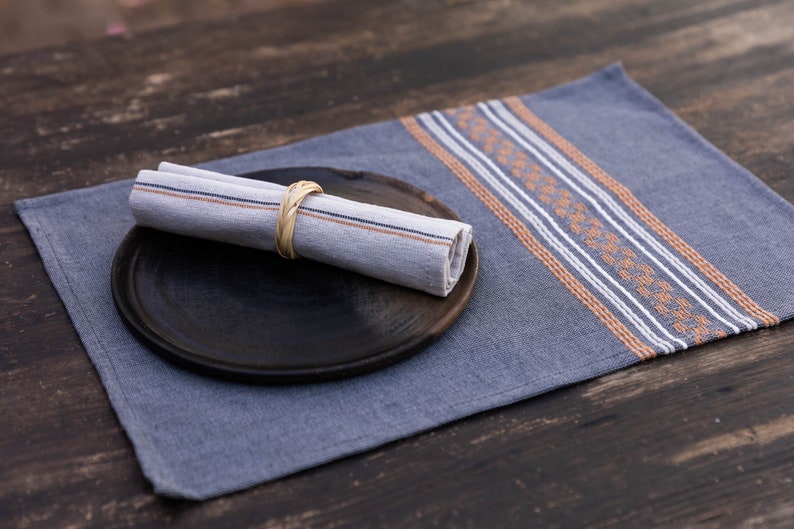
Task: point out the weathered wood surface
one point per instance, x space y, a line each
702 438
30 24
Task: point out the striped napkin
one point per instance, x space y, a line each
411 250
608 233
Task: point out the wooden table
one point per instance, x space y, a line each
703 438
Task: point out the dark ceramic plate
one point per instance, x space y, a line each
250 315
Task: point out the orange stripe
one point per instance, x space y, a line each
300 212
523 234
668 235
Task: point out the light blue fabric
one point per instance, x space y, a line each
522 334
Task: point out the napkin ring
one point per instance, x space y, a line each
288 212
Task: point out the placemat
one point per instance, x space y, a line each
609 233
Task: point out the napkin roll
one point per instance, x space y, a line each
407 249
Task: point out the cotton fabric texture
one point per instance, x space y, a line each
609 232
411 250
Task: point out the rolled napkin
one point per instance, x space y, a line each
415 251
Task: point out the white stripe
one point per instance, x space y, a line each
730 311
541 228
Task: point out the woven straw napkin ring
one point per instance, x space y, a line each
288 212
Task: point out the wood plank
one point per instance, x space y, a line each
32 24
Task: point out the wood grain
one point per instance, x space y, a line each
699 439
31 24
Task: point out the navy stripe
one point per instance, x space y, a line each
313 210
378 224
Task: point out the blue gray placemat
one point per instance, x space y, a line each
609 232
